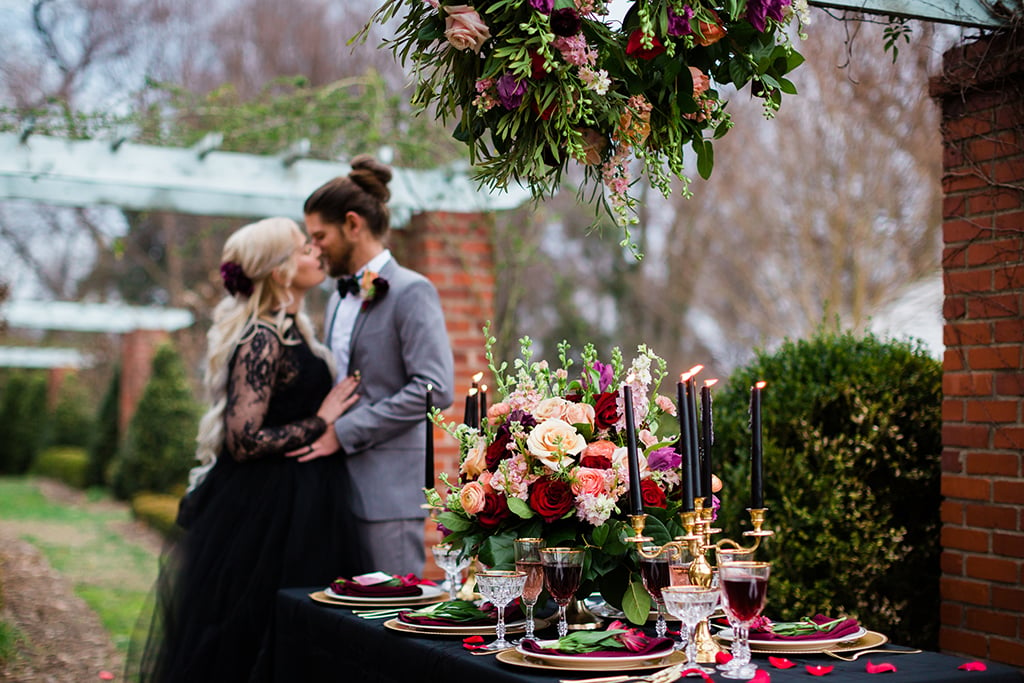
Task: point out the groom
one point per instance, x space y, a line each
385 324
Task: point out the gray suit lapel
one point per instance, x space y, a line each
364 312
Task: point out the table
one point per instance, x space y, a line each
316 643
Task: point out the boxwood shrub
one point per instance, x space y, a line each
852 465
64 463
23 419
106 433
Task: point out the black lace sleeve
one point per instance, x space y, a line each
254 373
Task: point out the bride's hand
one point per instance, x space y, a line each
338 400
327 444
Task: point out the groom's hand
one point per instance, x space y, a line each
327 444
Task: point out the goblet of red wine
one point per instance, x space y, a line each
563 572
527 554
655 573
744 587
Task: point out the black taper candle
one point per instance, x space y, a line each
483 405
633 458
691 410
707 432
756 455
429 480
683 447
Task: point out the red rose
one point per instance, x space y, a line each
635 47
495 510
598 462
537 62
551 498
497 450
651 494
606 410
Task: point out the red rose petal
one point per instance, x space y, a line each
722 657
781 663
819 670
473 639
687 672
761 676
882 668
106 676
973 666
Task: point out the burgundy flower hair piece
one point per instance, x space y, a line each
235 279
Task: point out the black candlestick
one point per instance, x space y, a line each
633 459
430 439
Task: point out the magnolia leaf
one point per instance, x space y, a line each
705 158
600 535
786 86
519 507
453 521
636 603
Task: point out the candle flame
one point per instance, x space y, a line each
477 377
683 376
483 388
761 385
710 382
694 370
430 387
472 392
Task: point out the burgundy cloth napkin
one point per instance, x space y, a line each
651 646
843 628
512 613
380 590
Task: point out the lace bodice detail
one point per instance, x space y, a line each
274 389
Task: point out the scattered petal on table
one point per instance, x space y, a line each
973 666
882 668
761 676
697 672
473 642
107 676
781 663
722 657
819 670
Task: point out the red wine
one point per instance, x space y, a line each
562 582
745 596
534 579
655 574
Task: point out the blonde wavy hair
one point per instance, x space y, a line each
265 251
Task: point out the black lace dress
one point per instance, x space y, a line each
260 522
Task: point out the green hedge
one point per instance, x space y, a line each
159 511
106 433
159 446
68 464
23 418
71 421
852 462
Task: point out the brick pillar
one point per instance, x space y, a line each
980 92
54 381
137 350
454 250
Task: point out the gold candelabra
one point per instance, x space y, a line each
697 541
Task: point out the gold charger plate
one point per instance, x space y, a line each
516 627
516 658
869 639
412 601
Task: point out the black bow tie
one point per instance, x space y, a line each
348 285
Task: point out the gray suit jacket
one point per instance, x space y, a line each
399 345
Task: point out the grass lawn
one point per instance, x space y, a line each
82 542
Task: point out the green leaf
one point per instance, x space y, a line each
636 603
786 86
454 521
520 507
705 157
601 534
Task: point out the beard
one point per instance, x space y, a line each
339 263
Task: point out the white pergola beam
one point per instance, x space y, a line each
204 181
93 317
41 358
976 13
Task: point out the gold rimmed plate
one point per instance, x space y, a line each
868 639
517 658
410 601
422 629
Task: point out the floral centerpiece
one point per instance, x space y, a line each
550 461
537 84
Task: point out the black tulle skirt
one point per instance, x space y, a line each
256 527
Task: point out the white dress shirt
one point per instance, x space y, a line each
348 311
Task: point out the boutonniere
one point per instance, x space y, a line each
372 288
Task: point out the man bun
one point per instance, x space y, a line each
371 176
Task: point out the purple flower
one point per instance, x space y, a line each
543 6
759 11
235 279
510 91
606 374
679 24
663 459
565 22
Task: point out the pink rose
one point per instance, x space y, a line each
701 83
551 407
496 412
476 460
579 414
587 480
472 497
464 28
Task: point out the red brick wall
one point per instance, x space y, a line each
137 350
455 251
980 91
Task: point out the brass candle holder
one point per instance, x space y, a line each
697 525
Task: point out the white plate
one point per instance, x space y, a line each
591 660
517 625
428 592
816 643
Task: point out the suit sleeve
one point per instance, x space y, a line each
426 355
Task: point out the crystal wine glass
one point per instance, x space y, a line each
723 555
654 571
451 561
744 588
500 588
527 553
563 572
691 605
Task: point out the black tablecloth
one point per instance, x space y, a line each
316 643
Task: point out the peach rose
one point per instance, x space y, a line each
620 461
475 462
550 408
553 440
701 82
496 412
594 145
588 480
709 34
579 414
472 497
464 28
600 449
